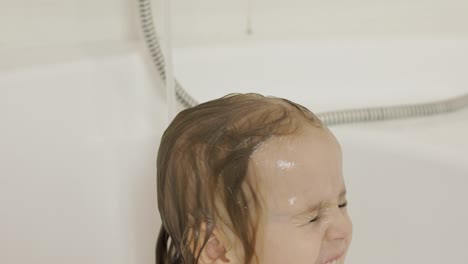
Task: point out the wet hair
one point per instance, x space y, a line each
202 166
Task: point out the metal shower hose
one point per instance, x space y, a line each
329 118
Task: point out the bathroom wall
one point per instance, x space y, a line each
43 32
41 23
69 22
209 21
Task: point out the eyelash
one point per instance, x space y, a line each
318 216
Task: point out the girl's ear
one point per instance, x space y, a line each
214 251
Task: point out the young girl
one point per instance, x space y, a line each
251 179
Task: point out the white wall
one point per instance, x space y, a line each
68 22
209 21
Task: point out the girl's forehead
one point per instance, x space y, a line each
312 144
297 170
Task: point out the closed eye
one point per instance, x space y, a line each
314 219
318 216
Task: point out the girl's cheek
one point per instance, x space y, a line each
315 230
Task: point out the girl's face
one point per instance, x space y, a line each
305 219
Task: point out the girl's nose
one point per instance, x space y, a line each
339 226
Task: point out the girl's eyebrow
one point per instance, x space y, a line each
319 205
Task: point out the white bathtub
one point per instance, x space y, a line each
407 183
79 133
407 179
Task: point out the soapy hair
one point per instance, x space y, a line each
202 171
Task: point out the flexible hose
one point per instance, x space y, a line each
329 118
393 112
152 43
